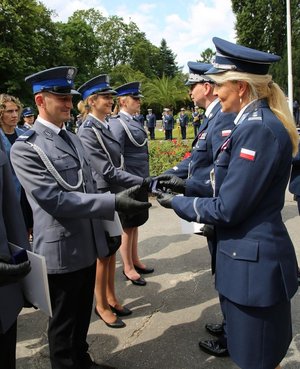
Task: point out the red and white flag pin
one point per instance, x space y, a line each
226 132
247 154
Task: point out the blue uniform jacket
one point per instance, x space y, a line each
168 122
256 262
108 176
136 158
183 120
7 146
213 131
151 120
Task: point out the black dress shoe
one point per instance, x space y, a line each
117 324
214 329
124 312
138 282
213 347
143 270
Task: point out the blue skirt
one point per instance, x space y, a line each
257 337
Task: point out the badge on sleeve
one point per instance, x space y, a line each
226 132
247 154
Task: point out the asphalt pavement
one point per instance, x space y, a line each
169 313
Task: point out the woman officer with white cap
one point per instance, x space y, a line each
256 267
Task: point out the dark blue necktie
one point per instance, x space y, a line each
63 134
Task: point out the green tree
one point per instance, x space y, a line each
166 64
166 92
207 56
28 43
261 24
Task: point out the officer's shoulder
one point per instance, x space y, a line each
26 135
116 116
87 124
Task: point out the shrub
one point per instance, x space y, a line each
164 155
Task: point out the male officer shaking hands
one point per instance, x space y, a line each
54 171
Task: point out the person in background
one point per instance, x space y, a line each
104 151
183 122
10 111
296 111
134 147
54 170
294 186
197 119
151 123
192 176
168 123
28 118
140 117
256 266
12 230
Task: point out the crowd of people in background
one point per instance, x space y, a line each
84 196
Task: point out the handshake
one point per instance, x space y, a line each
162 186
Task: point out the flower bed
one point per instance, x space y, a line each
164 155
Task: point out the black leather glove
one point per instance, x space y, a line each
12 273
172 182
126 204
147 183
165 199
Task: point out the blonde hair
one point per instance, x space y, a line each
263 87
5 98
83 108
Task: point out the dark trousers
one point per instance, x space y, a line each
183 132
152 132
168 134
8 341
196 129
72 300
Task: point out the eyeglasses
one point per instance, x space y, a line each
135 98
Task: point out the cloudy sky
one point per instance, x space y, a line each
187 26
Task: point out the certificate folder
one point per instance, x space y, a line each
35 284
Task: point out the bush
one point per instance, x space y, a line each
164 155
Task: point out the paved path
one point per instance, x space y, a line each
168 314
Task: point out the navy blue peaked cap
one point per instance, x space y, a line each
196 72
97 85
27 112
130 89
240 58
58 80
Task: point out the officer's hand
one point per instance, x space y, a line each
172 182
126 204
12 273
165 199
147 183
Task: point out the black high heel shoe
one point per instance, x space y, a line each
124 312
138 282
117 324
143 270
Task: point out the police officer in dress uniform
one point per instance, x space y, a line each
256 266
151 123
134 147
12 230
192 175
107 162
183 122
168 123
54 171
28 118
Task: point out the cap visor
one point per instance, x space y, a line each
214 71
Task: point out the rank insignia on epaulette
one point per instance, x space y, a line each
88 124
24 136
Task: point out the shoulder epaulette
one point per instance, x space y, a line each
114 116
88 123
24 136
